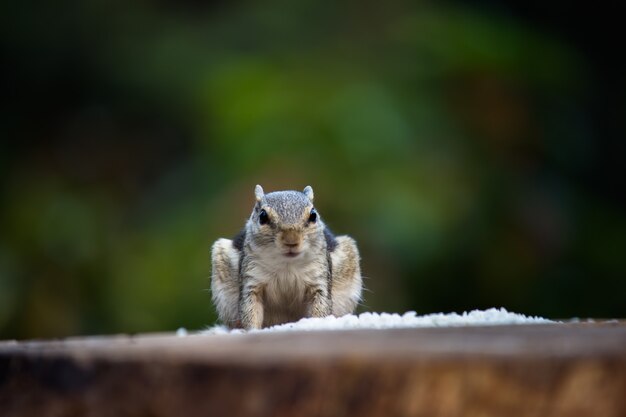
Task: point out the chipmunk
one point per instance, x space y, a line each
284 265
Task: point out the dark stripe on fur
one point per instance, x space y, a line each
331 242
329 279
239 239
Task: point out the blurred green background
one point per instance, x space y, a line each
474 150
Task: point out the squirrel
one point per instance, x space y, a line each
284 265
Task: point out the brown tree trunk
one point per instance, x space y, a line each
505 371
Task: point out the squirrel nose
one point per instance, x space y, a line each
291 238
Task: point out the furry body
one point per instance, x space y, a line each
284 265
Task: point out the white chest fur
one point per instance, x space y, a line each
286 280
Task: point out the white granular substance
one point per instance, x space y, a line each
490 317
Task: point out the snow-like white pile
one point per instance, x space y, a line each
490 317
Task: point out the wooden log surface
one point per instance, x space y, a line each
519 370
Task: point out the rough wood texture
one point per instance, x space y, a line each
538 370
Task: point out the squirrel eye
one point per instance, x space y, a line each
263 217
313 216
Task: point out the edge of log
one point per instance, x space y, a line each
517 370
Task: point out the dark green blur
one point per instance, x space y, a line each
453 143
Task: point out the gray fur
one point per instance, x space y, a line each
288 204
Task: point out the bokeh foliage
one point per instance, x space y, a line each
451 142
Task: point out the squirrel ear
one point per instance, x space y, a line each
308 191
258 192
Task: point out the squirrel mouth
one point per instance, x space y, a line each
291 254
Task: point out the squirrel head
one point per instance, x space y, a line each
285 221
